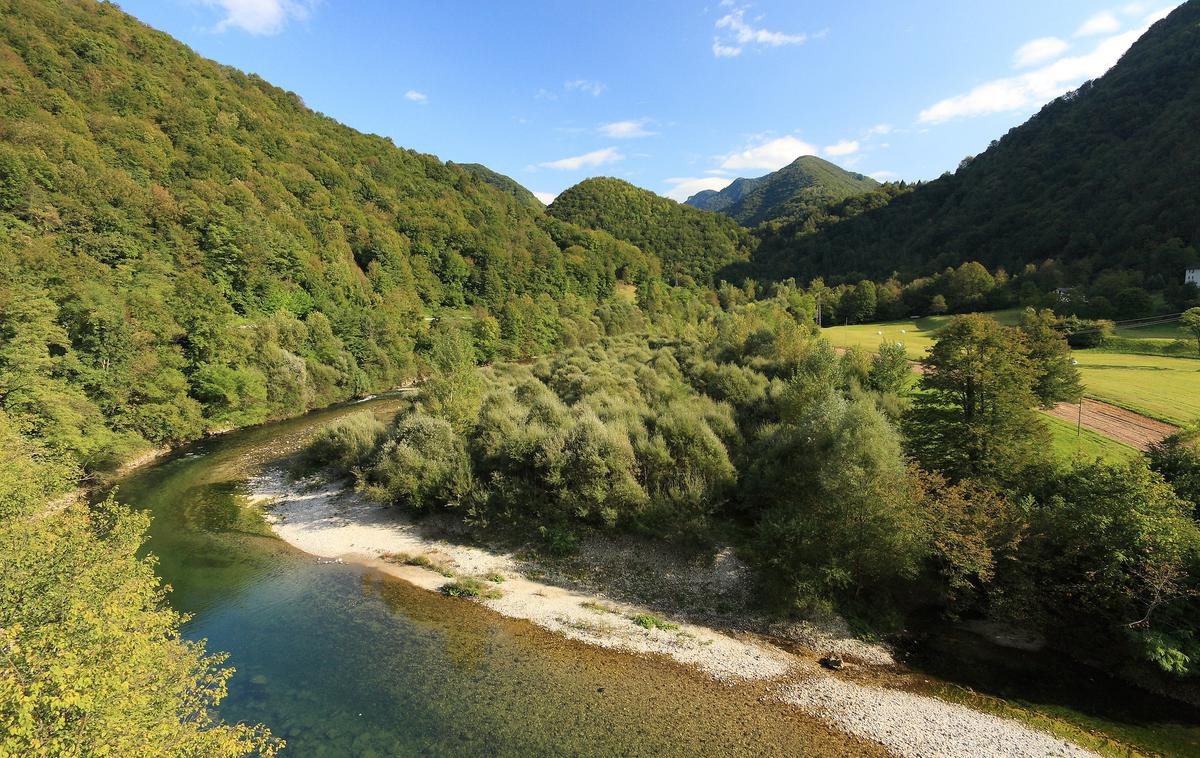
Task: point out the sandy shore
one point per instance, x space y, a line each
329 522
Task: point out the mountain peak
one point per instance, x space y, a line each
793 190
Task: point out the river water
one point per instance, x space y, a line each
340 660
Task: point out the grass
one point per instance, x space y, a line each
592 605
1087 444
917 335
650 621
424 561
1158 386
471 587
1108 738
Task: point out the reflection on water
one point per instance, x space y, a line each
340 660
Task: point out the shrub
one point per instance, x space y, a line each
650 621
347 443
471 587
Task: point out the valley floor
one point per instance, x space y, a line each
704 621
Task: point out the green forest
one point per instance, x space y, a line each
188 249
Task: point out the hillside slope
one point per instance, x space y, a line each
501 182
187 247
691 244
1100 178
792 192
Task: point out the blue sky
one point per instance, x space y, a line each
672 96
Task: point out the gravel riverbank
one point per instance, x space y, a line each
328 521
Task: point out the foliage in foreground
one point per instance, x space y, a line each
91 660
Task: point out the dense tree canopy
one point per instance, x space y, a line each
691 244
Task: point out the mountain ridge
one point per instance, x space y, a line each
793 191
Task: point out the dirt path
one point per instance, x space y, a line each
1116 423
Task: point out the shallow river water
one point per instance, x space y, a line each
342 661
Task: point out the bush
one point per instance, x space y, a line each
346 444
472 588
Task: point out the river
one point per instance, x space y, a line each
340 660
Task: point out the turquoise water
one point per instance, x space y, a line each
342 661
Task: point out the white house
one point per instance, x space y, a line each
1192 276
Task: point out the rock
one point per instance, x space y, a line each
832 662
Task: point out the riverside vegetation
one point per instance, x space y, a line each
846 492
189 249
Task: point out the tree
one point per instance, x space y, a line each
1191 321
1112 552
858 304
1056 378
938 305
976 418
93 662
890 369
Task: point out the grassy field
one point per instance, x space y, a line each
1159 386
1086 445
917 335
1152 385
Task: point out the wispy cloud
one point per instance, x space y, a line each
735 33
545 197
261 16
842 147
1101 23
683 187
626 129
1039 50
883 176
771 155
585 85
587 160
417 97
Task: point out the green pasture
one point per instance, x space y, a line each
916 334
1086 444
1153 385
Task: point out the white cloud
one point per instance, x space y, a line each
683 187
735 33
261 16
1038 51
545 197
725 51
417 97
587 160
626 129
1101 23
585 85
843 147
771 155
1033 88
879 129
883 176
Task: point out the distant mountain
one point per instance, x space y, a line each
792 192
1102 178
690 243
501 182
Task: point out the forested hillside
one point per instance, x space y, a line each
691 244
791 193
500 182
1101 178
187 247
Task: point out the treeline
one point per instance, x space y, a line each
855 494
971 287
